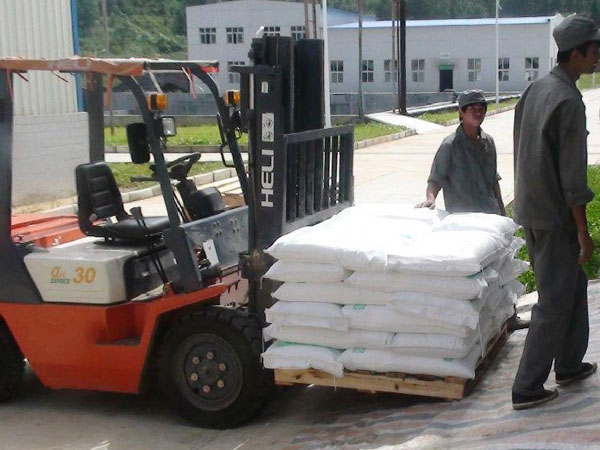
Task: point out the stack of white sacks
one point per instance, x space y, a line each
390 288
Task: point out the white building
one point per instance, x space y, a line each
224 31
441 54
50 134
445 54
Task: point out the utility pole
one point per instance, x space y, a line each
314 15
361 107
402 53
395 64
497 56
306 27
105 21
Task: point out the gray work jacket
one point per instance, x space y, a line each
550 144
467 173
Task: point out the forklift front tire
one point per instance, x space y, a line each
12 365
208 366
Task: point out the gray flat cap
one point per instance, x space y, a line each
470 98
574 31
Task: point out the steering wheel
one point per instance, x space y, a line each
180 167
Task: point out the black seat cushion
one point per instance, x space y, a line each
130 229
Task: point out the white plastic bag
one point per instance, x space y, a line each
451 287
386 318
306 272
461 313
449 253
490 223
391 361
308 314
328 338
341 293
284 355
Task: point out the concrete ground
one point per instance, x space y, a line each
317 418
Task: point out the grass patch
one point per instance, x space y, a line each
209 134
443 117
593 214
124 171
586 81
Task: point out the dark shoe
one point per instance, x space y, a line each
530 401
585 371
516 323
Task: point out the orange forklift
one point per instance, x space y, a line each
136 303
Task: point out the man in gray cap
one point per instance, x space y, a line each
464 166
551 194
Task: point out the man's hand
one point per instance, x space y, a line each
587 246
426 204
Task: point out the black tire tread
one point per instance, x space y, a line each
249 328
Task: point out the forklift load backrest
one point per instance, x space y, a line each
137 138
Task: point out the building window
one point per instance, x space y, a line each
235 35
208 35
390 75
272 31
503 68
337 71
532 68
417 67
474 69
298 32
366 71
234 77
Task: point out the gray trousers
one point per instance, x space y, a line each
559 328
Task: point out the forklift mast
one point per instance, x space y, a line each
299 173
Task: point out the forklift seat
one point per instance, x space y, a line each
98 198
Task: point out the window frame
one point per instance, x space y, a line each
473 70
532 72
336 73
234 77
388 71
272 30
417 71
298 32
208 35
235 35
504 69
367 75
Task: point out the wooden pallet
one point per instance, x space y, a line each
449 388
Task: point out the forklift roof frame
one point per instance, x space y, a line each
21 288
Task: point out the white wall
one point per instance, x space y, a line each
431 43
50 137
46 150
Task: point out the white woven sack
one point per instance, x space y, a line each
328 338
448 253
461 313
284 355
386 318
308 314
462 288
511 269
306 272
391 361
341 293
353 242
490 223
515 245
437 345
395 211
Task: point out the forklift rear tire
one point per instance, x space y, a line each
12 365
208 366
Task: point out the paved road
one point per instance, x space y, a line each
316 418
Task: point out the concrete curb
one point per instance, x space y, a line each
491 113
153 191
123 149
218 175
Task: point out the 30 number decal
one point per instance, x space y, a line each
85 275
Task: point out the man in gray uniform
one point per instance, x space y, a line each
551 194
465 164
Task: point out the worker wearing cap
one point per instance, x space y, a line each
464 166
551 194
